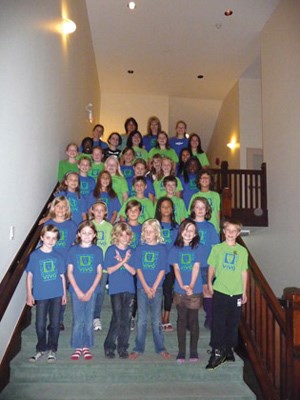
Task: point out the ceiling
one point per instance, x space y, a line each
168 43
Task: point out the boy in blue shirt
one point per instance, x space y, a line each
46 287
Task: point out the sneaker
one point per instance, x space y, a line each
97 324
217 358
61 327
180 359
36 357
51 357
109 354
132 324
123 354
229 356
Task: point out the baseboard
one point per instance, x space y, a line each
14 346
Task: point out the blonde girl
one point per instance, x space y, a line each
119 183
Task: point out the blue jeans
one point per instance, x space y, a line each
100 296
44 308
154 305
120 322
82 326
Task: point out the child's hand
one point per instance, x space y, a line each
87 296
149 293
244 298
30 301
210 288
80 295
64 300
118 257
127 256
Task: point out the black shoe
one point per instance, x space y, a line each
109 354
217 358
123 354
61 327
229 356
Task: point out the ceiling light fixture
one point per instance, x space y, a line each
131 5
130 71
228 13
200 76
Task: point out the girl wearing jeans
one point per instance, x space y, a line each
150 261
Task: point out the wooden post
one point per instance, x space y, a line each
224 174
292 297
226 203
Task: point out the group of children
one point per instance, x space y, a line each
147 222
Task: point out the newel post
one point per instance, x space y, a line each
292 298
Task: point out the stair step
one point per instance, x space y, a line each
130 391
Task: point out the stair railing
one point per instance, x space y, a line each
249 193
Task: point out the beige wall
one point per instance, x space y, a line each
277 248
45 85
250 117
227 127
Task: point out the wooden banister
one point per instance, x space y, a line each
14 273
271 335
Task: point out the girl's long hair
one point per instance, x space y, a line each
129 140
186 173
154 223
110 191
63 186
199 148
54 203
179 240
207 207
158 210
83 225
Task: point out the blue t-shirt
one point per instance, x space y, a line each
47 270
137 231
189 188
78 205
186 257
113 204
127 171
149 142
169 233
85 261
208 238
87 185
151 259
67 235
178 144
121 280
149 188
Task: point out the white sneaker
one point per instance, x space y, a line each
132 324
36 357
97 324
51 357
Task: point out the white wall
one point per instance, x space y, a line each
116 108
276 248
250 117
45 84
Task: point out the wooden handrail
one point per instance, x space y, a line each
271 335
14 273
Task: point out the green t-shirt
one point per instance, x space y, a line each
179 209
171 153
147 209
104 230
229 263
160 190
214 200
140 153
95 170
64 167
120 186
202 157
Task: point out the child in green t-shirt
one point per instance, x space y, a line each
97 164
227 282
170 185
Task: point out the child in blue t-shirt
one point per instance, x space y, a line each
185 257
118 263
201 213
46 288
69 188
150 260
87 183
85 262
165 215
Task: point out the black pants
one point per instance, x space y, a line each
187 320
168 289
226 318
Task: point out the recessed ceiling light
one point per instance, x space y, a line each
218 25
130 71
228 13
200 76
131 5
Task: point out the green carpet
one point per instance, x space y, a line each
148 377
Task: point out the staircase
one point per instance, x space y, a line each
149 377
